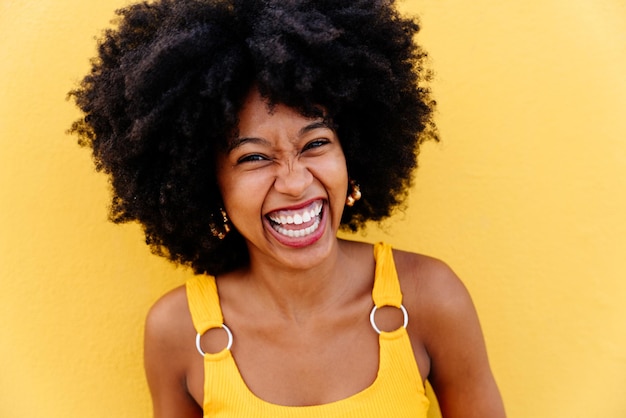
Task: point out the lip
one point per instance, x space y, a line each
296 207
298 233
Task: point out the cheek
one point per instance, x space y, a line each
244 195
222 175
337 171
237 191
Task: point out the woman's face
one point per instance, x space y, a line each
283 180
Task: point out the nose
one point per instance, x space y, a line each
293 178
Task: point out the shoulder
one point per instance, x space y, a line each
439 304
444 323
171 361
169 314
429 282
169 326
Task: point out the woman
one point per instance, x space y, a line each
243 135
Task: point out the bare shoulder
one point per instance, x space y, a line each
445 323
437 300
169 317
429 284
169 354
169 333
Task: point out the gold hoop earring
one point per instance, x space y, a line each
355 194
221 229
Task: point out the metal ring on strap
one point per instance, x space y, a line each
228 346
373 322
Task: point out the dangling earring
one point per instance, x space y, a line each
220 231
355 194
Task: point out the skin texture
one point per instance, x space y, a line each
305 301
281 162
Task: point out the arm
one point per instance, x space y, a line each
448 328
167 357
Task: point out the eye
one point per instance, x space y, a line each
251 158
315 144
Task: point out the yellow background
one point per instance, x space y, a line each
524 197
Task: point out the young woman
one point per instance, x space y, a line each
243 135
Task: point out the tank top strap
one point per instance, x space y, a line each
386 291
204 303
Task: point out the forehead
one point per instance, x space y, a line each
257 112
258 118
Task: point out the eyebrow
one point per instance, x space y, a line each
319 124
237 142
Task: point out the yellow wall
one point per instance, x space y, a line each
524 198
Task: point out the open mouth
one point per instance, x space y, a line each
297 223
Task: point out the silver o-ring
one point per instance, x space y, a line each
228 346
373 322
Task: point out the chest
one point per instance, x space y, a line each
311 368
295 366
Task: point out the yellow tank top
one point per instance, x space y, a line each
396 392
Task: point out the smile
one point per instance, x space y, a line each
297 223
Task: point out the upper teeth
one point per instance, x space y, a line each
297 218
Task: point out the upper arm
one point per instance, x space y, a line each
448 327
167 356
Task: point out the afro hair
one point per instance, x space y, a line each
164 92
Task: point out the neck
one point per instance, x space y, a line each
298 293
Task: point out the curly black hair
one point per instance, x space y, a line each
164 92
